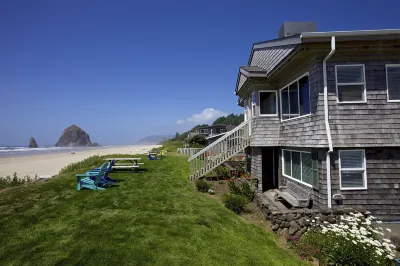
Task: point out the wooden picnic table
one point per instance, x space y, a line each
116 164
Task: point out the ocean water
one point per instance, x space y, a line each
12 151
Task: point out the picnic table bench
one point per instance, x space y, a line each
133 163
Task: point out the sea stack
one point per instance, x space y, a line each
32 143
74 136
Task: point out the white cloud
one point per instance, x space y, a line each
207 116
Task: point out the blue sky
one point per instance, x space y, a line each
122 70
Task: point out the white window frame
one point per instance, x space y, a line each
254 103
351 83
291 167
298 97
204 131
276 103
353 169
387 82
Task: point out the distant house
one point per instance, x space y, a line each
322 118
208 131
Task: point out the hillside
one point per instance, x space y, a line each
154 139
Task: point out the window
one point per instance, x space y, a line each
393 82
301 166
268 103
352 169
253 103
295 99
350 83
203 131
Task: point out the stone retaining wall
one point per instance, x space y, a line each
295 222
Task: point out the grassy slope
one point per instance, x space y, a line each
155 217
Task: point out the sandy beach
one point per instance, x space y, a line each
48 165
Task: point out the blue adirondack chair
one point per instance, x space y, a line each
152 157
106 178
103 171
90 181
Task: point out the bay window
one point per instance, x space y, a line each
295 99
268 103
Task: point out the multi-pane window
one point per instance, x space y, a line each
393 82
350 83
352 169
295 99
268 103
301 166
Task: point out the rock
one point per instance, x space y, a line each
289 217
331 218
301 221
298 234
322 218
303 230
285 233
285 225
73 136
348 210
32 143
275 227
211 192
337 211
298 216
277 221
294 227
325 211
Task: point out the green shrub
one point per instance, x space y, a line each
9 181
234 188
244 189
222 171
235 203
202 185
247 191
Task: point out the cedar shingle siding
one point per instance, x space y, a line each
373 126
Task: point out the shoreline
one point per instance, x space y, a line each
48 165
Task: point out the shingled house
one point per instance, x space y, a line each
323 110
322 119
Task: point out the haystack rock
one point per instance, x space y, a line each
32 143
74 136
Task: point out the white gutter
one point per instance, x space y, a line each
355 33
327 127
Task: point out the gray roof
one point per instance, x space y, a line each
265 56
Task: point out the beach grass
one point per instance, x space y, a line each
154 217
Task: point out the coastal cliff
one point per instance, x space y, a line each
74 136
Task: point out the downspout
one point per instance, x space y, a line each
327 127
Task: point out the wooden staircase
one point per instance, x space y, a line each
219 151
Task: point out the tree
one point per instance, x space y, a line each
197 140
177 135
231 119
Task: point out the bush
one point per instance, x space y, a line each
355 241
247 191
236 203
15 180
202 185
222 171
244 189
396 241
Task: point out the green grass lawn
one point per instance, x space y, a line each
152 218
